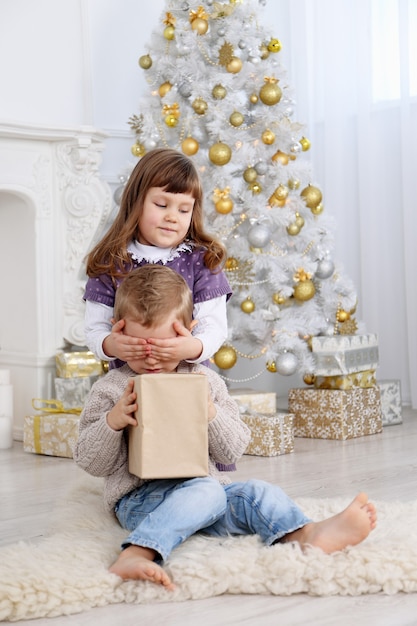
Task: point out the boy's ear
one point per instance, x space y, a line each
193 324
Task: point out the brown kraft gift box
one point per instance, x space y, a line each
171 438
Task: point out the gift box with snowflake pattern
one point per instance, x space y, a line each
344 354
335 413
53 434
271 435
391 404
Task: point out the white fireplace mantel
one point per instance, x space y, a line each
53 207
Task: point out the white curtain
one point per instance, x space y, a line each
352 66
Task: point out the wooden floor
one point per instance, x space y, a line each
384 465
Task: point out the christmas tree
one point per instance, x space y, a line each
219 93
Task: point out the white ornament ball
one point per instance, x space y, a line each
117 195
259 235
286 363
325 269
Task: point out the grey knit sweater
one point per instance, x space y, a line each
102 451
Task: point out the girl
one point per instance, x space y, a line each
160 220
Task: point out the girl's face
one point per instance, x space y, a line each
165 218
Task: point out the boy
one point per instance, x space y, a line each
154 301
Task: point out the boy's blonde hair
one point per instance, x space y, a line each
175 173
149 294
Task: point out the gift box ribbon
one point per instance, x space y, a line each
53 406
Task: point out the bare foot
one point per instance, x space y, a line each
136 563
347 528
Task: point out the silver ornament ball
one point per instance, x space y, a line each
325 269
286 363
259 235
261 168
117 195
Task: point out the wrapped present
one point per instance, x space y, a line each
271 435
334 413
73 364
348 381
259 401
344 354
171 437
391 404
72 392
53 434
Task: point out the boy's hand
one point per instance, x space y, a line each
122 346
183 346
121 414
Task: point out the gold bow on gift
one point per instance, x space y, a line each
170 19
53 406
200 13
171 109
301 275
221 194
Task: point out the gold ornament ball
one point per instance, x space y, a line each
250 174
268 137
280 157
225 357
200 25
293 183
317 210
281 192
254 98
219 92
270 94
309 379
164 88
231 264
138 150
171 120
305 143
199 106
278 298
255 187
145 62
293 229
274 45
190 146
271 366
234 66
312 196
236 119
273 201
264 51
169 33
248 306
220 153
224 206
299 220
342 316
304 290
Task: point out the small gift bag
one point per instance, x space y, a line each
171 438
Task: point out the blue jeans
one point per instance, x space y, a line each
161 514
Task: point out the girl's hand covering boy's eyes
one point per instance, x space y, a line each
122 414
183 346
122 346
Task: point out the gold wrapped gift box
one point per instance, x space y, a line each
364 379
259 401
71 364
334 413
51 434
271 435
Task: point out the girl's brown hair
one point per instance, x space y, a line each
150 294
175 173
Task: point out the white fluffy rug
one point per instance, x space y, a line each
67 572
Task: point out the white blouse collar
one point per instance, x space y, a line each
151 254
